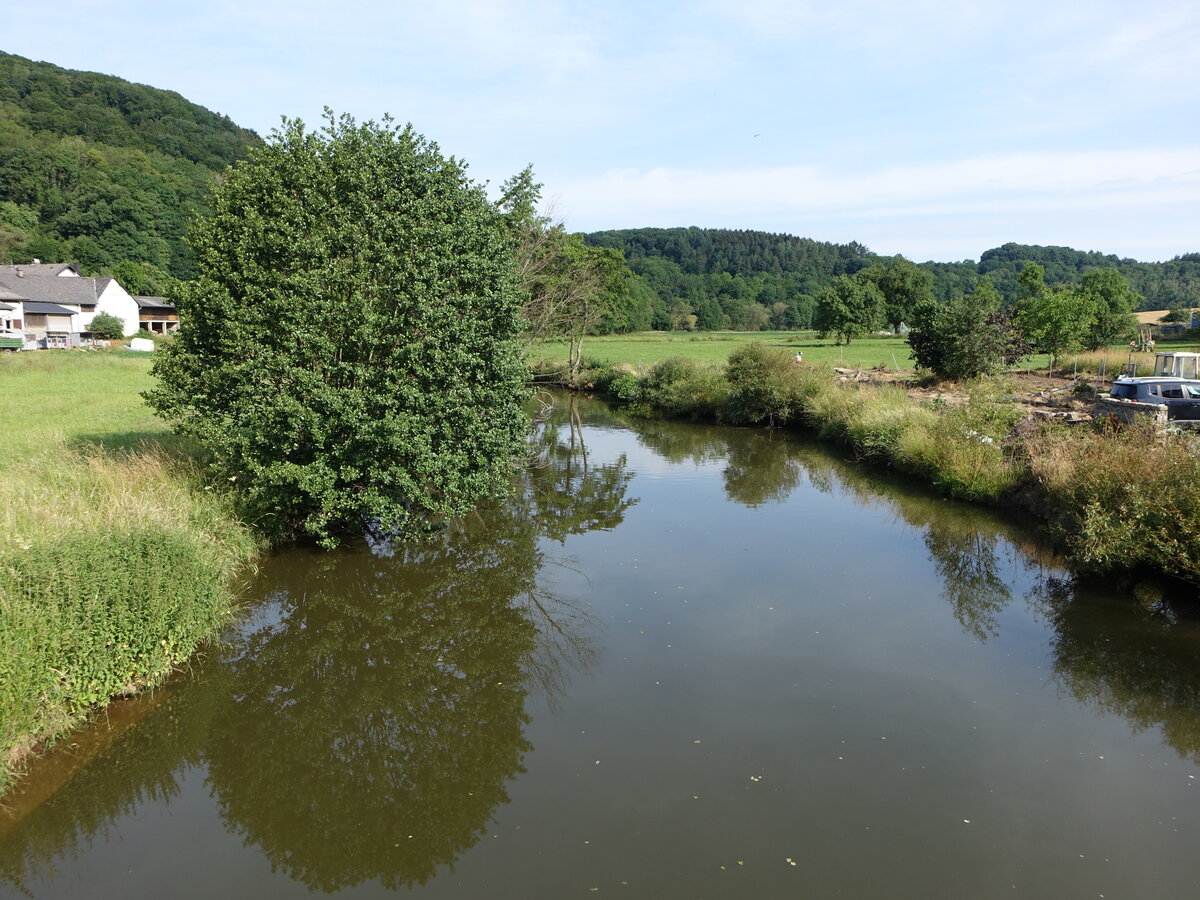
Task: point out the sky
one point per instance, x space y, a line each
931 129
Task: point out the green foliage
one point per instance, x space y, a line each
1056 321
743 280
107 110
904 286
681 387
107 326
849 308
763 385
966 337
115 561
737 268
1112 301
1122 499
350 357
570 289
97 614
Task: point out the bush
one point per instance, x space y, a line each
967 337
107 327
1124 498
764 386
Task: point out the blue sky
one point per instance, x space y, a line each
931 129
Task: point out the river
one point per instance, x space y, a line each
681 661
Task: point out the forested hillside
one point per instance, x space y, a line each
104 172
753 280
1163 285
745 280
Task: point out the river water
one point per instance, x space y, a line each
680 662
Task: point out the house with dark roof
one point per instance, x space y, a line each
55 309
37 267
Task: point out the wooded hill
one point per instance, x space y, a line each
100 171
753 279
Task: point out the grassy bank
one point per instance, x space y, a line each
116 561
1115 499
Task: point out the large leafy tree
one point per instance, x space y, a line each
1057 320
1113 302
904 286
848 308
349 354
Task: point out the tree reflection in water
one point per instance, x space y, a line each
365 722
1139 661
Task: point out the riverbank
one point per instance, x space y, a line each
1113 499
117 560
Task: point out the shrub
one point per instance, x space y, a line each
764 386
966 337
1122 498
350 356
107 327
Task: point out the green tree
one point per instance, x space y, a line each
569 288
849 308
904 287
107 327
349 356
1113 302
1057 320
967 337
1031 282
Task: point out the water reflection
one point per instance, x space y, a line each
1140 661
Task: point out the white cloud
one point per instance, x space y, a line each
1024 187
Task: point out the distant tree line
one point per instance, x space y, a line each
704 279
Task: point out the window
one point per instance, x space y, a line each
35 320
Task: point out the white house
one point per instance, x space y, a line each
55 305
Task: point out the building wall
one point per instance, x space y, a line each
115 301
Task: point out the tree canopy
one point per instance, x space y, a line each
849 308
967 337
349 355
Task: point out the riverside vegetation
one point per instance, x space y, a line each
1114 498
117 559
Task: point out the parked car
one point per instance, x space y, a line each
1181 396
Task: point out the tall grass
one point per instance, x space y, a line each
1122 498
960 450
116 559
